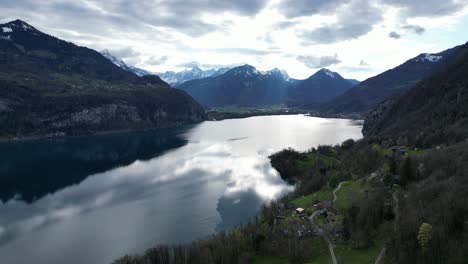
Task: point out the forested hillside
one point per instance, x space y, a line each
50 87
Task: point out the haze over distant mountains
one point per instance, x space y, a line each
171 77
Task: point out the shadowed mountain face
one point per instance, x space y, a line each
318 88
434 111
52 87
240 86
394 82
27 172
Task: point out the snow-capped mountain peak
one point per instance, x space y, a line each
428 57
17 25
10 29
329 73
119 62
176 78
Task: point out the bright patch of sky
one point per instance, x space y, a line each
356 38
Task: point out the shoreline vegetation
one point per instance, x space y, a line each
98 133
218 114
362 197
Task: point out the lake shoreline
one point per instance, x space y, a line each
219 115
100 133
210 116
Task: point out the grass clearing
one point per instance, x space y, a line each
348 255
383 151
353 190
320 250
312 158
306 201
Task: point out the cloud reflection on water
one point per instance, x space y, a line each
211 183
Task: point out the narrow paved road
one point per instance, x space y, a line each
320 231
381 255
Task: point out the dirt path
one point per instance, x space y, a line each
336 190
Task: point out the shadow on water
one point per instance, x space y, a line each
30 170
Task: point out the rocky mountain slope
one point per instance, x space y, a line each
394 82
52 87
321 87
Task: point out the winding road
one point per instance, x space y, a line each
320 231
323 234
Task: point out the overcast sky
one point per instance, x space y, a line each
357 38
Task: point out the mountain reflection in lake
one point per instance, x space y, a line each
93 199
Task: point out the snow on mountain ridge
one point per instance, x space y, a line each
7 29
120 63
430 57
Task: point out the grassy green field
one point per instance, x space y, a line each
348 255
312 158
306 201
353 190
383 151
322 255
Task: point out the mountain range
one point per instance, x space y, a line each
321 87
246 86
53 87
177 78
368 94
171 77
240 86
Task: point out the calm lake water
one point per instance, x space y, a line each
93 199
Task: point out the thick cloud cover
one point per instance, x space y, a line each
353 20
427 8
183 15
263 33
298 8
